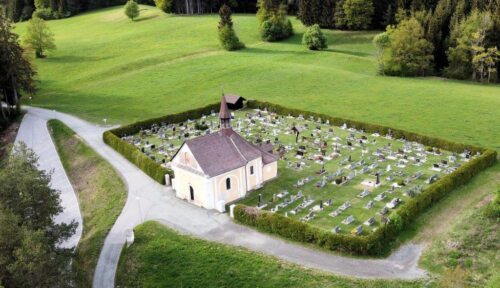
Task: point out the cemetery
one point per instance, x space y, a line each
336 178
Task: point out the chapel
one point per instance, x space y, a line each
221 167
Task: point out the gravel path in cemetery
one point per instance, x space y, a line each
148 200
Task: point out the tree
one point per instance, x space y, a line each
382 41
467 41
164 5
227 36
339 15
16 70
30 255
410 53
276 26
132 9
358 13
314 38
39 37
25 190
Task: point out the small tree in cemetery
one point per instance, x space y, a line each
314 38
39 37
132 9
227 36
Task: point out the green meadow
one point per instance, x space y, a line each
107 66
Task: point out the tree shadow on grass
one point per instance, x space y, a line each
75 59
261 51
351 53
146 18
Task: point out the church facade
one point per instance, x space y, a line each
220 167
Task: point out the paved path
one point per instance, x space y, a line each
148 200
35 134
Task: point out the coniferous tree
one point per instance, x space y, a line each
339 15
358 13
227 35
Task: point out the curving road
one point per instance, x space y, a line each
35 134
148 200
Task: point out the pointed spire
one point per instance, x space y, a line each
224 114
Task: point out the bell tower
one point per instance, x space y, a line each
224 115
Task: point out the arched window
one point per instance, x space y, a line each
228 183
251 170
191 192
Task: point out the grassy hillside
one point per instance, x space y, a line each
101 195
162 258
107 66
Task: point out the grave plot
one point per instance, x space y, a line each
336 178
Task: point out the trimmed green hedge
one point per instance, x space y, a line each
134 155
377 242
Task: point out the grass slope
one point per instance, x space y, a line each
101 195
467 256
107 66
162 258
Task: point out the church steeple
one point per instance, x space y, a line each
224 114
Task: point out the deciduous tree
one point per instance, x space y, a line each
39 37
410 53
132 9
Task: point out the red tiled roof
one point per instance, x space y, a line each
226 150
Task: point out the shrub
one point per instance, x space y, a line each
276 29
200 126
314 39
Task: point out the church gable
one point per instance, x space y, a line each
186 159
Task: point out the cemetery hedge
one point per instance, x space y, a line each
134 155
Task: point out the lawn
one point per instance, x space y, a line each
101 195
162 258
370 154
107 66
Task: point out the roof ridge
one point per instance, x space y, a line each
237 149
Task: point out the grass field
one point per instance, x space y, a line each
467 256
162 258
101 195
109 67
